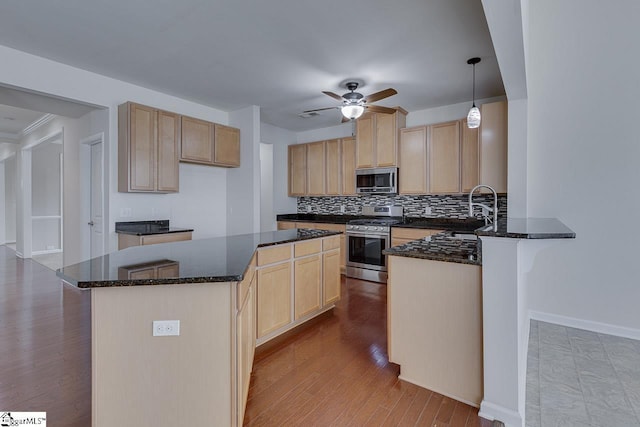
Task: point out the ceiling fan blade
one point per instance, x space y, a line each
320 109
380 109
380 95
333 95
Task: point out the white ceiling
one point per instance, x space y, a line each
14 120
277 54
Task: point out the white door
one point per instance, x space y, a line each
96 221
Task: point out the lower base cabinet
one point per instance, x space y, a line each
245 345
295 282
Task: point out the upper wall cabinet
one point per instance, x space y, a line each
297 170
226 146
348 161
377 139
209 143
148 147
450 158
316 168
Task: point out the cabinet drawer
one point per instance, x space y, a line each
412 233
274 254
307 248
330 227
329 243
165 238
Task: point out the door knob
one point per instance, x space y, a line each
91 223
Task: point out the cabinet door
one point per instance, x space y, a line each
226 145
444 158
413 161
365 131
297 170
333 167
274 298
315 168
142 149
331 276
144 274
168 151
348 166
197 141
470 162
386 140
169 271
307 285
493 145
286 225
245 342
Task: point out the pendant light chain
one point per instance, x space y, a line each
473 118
474 85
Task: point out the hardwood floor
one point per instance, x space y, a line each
45 343
334 371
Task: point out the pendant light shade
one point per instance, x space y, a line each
352 112
473 118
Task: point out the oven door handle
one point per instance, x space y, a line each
369 235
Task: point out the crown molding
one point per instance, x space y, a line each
38 123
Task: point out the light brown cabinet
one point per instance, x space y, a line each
348 166
307 273
209 143
412 150
297 170
148 146
377 139
245 340
127 240
493 145
400 236
226 146
274 298
151 270
469 158
197 141
333 167
331 277
316 168
443 158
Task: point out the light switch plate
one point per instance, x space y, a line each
166 328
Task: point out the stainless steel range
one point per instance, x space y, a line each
367 238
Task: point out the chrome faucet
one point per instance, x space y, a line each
485 209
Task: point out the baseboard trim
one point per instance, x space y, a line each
589 325
494 412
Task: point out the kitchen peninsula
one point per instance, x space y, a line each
225 292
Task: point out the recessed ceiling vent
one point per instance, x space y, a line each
306 115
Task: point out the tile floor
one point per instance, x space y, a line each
581 378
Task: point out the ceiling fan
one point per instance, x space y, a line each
354 103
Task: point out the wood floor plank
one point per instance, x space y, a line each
430 411
460 415
415 409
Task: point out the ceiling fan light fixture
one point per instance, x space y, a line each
353 111
473 118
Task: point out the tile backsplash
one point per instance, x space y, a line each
442 206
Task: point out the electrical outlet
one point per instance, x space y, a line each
165 328
427 210
342 208
125 212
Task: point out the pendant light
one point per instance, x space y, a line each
352 111
473 118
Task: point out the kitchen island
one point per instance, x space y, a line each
225 292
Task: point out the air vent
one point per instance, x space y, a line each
309 114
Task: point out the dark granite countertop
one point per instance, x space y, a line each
528 228
440 247
147 228
408 222
219 259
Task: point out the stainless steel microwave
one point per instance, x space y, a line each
377 181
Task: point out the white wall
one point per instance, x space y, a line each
583 152
10 199
23 70
243 183
280 139
45 180
267 217
338 131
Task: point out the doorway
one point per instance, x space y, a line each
93 171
